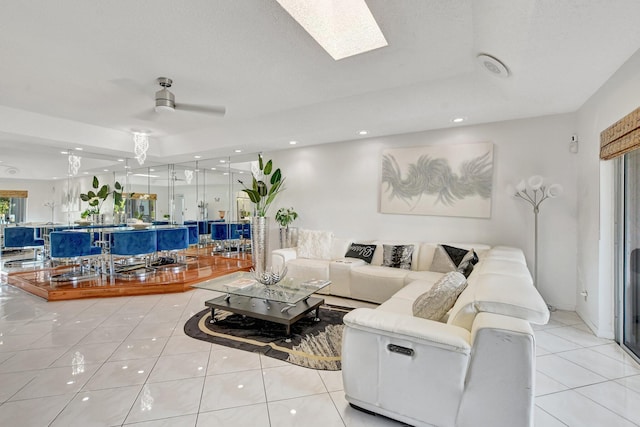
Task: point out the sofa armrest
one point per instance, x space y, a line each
404 367
280 257
411 328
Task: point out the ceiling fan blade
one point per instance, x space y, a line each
131 86
204 109
147 115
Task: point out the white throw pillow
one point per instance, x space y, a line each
439 299
314 244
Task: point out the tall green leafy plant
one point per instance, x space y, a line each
267 183
95 198
118 199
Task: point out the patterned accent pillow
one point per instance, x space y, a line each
361 251
449 258
438 300
314 244
397 256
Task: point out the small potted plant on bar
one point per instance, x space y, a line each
288 235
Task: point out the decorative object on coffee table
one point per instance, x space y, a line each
534 192
269 276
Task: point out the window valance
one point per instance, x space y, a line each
621 137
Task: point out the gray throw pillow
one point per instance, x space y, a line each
438 300
449 258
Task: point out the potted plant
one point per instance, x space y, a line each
118 204
96 199
288 236
266 184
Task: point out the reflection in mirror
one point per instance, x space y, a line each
13 206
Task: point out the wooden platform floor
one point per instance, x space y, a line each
200 267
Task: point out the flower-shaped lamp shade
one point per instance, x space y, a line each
535 182
554 190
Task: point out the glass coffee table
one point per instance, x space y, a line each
285 303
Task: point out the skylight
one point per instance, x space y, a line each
342 27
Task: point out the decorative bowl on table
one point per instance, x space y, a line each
269 276
140 225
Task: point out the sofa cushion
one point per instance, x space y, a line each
397 256
314 244
361 251
435 303
308 268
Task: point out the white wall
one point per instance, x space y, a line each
39 193
595 181
336 187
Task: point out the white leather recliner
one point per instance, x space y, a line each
477 369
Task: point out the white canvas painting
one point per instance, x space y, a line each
445 180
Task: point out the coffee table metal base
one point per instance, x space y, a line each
272 311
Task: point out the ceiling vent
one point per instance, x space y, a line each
493 65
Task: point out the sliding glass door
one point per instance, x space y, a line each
631 253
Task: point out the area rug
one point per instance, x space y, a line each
312 344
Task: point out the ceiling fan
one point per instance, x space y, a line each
165 101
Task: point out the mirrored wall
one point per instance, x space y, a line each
203 189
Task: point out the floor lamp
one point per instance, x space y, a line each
535 192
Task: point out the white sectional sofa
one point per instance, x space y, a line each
473 367
354 278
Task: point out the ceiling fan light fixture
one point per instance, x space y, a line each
165 101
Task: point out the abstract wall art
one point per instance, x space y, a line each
445 180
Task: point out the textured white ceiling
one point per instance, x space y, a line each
82 73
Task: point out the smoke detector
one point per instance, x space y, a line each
493 65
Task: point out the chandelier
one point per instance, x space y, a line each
188 174
74 164
141 141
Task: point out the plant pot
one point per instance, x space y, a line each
119 218
259 243
97 219
288 237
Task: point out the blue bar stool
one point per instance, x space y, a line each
133 249
194 237
22 238
171 241
219 235
74 248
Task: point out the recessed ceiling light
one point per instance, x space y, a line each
238 151
458 119
121 160
363 132
493 65
197 157
64 152
106 170
222 161
78 148
152 170
293 142
342 28
213 169
86 173
226 173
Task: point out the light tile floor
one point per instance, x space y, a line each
126 361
